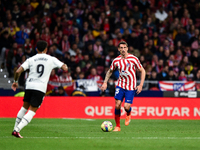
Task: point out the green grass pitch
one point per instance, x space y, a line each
80 134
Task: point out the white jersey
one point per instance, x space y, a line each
40 67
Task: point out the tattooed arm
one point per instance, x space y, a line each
16 78
108 74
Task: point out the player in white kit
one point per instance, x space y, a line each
40 66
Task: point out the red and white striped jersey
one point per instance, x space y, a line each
127 71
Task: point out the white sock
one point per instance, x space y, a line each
20 114
25 120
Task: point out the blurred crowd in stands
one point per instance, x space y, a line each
163 34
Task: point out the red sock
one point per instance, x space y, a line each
117 120
128 113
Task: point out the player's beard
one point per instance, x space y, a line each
123 53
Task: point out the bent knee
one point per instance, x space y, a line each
117 106
127 107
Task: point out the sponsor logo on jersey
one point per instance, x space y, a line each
124 73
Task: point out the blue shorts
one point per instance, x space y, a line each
121 93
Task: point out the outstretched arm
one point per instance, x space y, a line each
143 73
64 67
16 78
108 74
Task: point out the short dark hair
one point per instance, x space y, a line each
41 45
60 88
122 42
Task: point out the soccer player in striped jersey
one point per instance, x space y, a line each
40 67
126 85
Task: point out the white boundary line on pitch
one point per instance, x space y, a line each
79 119
137 138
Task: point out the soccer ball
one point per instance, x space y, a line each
106 126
